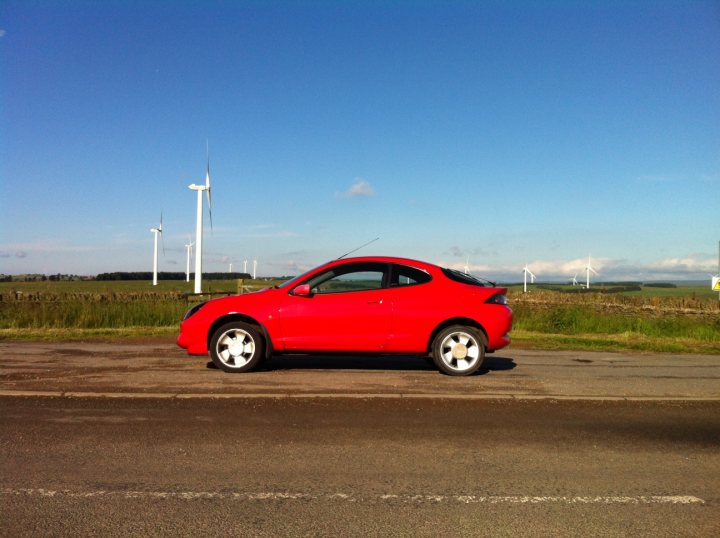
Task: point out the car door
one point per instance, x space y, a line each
415 309
345 310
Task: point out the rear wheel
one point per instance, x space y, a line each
236 347
459 350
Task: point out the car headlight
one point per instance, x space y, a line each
193 310
498 298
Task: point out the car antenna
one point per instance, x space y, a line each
356 249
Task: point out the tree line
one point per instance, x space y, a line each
147 275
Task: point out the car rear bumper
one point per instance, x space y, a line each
499 343
500 336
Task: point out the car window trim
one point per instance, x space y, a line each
382 266
394 266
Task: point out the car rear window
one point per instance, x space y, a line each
457 276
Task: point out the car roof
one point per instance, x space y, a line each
386 259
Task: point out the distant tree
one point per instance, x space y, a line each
142 275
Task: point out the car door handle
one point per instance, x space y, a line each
375 302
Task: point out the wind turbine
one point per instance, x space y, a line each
527 272
589 269
199 226
157 231
574 280
188 248
254 269
467 269
245 266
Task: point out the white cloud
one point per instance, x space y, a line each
693 264
691 267
565 267
360 188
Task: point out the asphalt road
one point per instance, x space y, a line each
161 369
142 441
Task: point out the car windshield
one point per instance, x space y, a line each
295 279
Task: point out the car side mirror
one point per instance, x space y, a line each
303 290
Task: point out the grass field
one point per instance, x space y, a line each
701 292
682 319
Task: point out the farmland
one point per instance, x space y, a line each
679 319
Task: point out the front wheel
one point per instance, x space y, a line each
459 350
236 347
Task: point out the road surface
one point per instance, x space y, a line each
139 440
161 369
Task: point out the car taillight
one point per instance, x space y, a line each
498 298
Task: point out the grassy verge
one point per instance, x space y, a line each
522 339
625 342
82 335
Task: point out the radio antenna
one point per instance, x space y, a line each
356 249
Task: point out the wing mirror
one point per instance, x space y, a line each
303 290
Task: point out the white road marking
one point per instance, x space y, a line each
411 499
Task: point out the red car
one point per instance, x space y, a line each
377 305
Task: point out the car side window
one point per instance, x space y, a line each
404 275
356 277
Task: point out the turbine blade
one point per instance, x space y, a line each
208 190
207 169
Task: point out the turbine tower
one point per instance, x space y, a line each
527 272
467 269
245 266
589 269
188 248
574 280
199 226
254 269
158 232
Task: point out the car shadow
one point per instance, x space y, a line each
406 363
496 364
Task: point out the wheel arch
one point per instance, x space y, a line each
469 322
228 318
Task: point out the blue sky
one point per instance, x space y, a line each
502 133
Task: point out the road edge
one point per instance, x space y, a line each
355 396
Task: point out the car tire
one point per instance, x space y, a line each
459 350
236 347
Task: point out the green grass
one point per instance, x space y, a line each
127 286
91 314
584 319
682 290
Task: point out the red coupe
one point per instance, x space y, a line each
377 305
